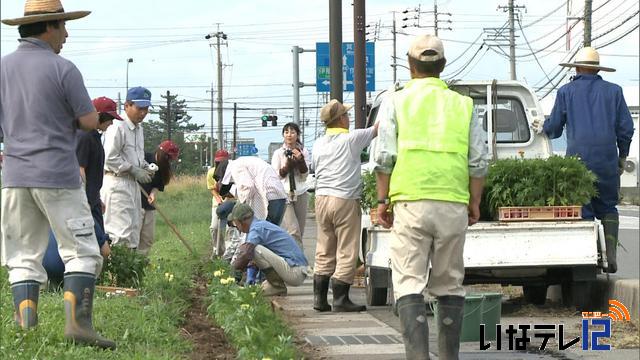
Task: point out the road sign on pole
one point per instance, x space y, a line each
323 83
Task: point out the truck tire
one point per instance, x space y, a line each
376 296
577 294
535 294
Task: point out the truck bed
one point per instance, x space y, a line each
494 245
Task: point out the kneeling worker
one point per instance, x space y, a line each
271 249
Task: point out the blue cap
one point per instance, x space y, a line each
140 96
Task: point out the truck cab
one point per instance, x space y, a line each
531 254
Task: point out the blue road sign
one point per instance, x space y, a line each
247 149
323 78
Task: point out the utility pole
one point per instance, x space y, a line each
587 23
296 50
512 42
510 8
335 48
435 17
219 37
395 59
235 129
168 115
211 134
414 14
359 64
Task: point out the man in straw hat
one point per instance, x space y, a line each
430 166
599 131
336 160
43 102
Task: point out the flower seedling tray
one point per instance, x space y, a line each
534 213
117 291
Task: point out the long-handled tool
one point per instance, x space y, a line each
166 220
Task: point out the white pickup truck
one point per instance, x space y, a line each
532 254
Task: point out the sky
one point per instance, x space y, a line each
166 40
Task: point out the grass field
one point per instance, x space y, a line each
144 327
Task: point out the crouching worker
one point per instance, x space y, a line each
271 249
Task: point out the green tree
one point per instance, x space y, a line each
173 123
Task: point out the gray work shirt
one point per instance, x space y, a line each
41 96
385 151
123 146
336 161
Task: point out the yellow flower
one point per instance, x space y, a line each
166 275
266 358
231 279
244 306
171 277
253 294
223 281
217 273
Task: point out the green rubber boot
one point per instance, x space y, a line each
78 305
413 322
25 299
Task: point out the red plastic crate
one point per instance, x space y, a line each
528 213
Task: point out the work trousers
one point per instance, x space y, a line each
147 231
291 275
27 215
338 241
423 231
122 220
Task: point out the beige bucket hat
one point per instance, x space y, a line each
588 58
44 10
333 110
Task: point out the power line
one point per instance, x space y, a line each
527 41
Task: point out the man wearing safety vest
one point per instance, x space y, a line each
431 160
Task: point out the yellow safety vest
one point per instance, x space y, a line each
433 143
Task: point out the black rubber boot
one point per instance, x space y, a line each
25 299
450 316
413 322
320 290
341 302
78 305
611 223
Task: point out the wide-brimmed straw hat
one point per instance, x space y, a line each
588 58
44 10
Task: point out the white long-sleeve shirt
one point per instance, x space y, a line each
278 161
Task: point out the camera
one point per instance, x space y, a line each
288 153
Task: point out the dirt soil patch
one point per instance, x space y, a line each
209 340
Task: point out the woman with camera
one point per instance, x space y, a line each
292 161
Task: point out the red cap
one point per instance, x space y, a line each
170 148
105 105
221 155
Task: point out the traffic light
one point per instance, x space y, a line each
272 118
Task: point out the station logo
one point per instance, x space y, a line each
595 326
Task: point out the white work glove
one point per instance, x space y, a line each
537 125
141 175
151 168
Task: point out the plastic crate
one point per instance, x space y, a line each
529 213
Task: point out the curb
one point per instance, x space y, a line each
609 287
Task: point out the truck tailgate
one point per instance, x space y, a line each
525 244
514 244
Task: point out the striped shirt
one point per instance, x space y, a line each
256 183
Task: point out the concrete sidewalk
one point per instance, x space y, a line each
374 334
